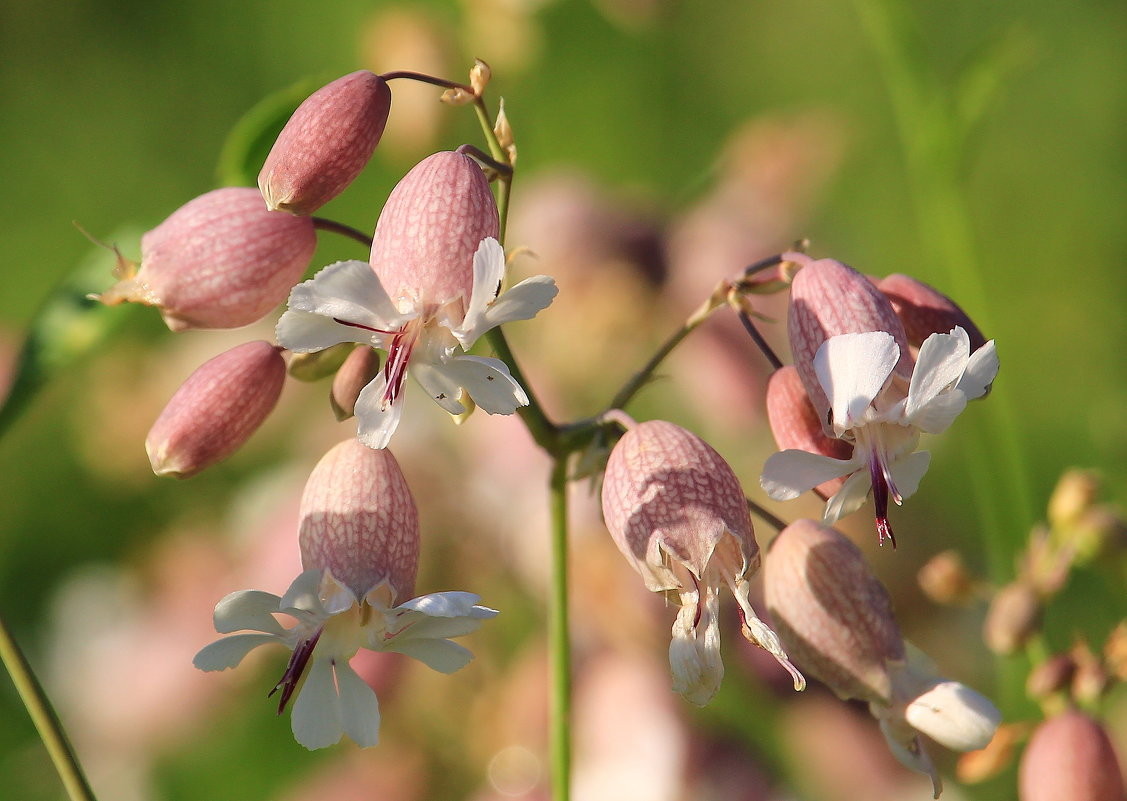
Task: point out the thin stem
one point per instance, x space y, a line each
424 78
43 716
774 522
323 224
559 639
758 339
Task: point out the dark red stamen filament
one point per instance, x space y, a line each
299 659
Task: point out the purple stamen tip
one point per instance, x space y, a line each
299 659
884 532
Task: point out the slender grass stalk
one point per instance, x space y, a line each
43 716
560 640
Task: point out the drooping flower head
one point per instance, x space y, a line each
678 514
835 618
359 541
431 290
221 260
869 393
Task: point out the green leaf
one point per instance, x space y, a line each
249 142
68 326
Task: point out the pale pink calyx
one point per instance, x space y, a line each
828 298
924 310
1071 756
795 424
678 514
216 410
326 143
219 261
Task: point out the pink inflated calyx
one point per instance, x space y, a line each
1070 756
828 298
216 410
220 261
327 142
360 522
924 310
795 424
431 226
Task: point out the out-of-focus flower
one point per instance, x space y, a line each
359 546
1013 617
432 289
326 143
946 579
679 516
1070 756
870 408
216 410
219 261
836 619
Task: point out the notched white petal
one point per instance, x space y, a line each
849 498
250 610
852 369
230 651
440 385
982 369
360 709
375 421
955 716
488 382
348 290
787 474
307 332
317 720
304 595
441 655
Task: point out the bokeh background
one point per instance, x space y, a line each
663 146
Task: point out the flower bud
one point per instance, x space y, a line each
326 143
1013 617
429 229
954 715
795 424
1070 756
831 612
216 410
359 520
1075 493
361 366
828 298
924 310
219 261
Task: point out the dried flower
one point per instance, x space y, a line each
678 514
216 410
219 261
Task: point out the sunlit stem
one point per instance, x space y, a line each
43 716
322 224
743 308
642 377
560 640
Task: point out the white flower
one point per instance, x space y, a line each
332 625
345 302
870 408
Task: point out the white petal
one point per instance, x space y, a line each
936 416
439 384
522 302
303 598
317 720
376 423
694 650
448 604
907 472
905 745
488 275
954 716
852 369
306 332
360 709
349 291
787 474
230 651
850 497
941 360
981 371
488 382
248 609
441 655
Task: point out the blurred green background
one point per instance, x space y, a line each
113 113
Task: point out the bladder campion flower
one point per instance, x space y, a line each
431 290
871 408
678 514
359 543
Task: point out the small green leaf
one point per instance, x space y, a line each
249 142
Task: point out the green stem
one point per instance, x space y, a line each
44 717
559 640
